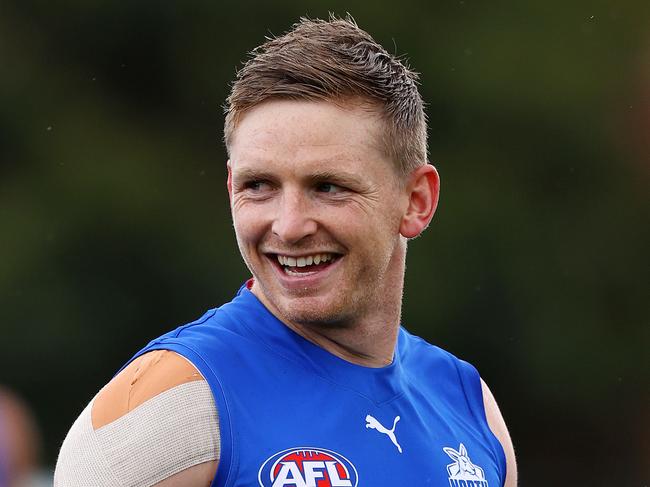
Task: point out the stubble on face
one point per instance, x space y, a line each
288 141
345 308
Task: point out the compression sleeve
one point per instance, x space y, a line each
167 434
157 418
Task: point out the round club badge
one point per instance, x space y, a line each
307 466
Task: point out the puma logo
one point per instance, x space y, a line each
372 423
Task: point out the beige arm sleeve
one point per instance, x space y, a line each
155 423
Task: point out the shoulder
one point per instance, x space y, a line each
414 347
498 426
477 394
423 358
155 423
144 378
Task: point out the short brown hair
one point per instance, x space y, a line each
335 60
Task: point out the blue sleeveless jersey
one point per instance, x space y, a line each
293 415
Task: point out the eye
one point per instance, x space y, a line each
329 188
257 185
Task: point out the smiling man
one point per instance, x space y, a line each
306 377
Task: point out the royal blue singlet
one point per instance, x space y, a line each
293 415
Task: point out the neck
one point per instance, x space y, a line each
368 338
370 344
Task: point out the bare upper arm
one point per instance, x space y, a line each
498 426
198 475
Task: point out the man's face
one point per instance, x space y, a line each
317 208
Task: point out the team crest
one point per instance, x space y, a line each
463 473
307 467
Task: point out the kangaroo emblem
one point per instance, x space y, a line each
372 423
463 468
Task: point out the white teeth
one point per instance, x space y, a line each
304 261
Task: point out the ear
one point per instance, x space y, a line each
423 188
229 181
453 454
463 450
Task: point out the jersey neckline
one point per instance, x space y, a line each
379 384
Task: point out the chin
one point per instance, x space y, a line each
329 308
307 312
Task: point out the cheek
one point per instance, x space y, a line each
381 237
249 229
384 223
374 228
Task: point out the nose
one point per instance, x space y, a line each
293 220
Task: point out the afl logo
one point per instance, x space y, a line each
307 467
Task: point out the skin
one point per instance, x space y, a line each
307 178
200 475
498 426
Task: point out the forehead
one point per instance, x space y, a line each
309 132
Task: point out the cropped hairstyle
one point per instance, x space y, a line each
334 60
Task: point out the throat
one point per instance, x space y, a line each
350 343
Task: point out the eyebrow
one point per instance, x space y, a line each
337 177
314 177
249 173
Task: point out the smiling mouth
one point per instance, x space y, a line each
306 264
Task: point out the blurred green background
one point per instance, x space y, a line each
114 221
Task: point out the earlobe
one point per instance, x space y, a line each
423 190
